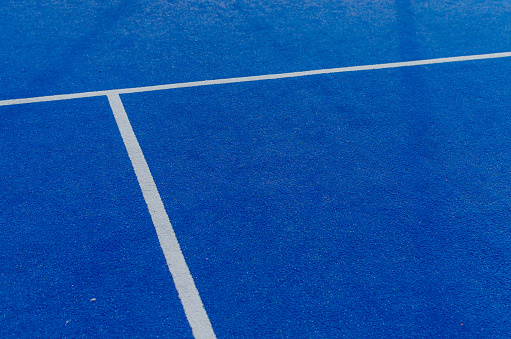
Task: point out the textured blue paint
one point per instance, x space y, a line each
75 227
66 46
370 204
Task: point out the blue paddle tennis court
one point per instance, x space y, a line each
255 169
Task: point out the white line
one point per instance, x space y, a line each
255 78
192 304
56 97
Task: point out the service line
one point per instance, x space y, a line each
255 78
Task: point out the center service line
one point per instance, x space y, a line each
192 304
255 78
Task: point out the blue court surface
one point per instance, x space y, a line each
255 169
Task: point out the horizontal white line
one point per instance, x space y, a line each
255 78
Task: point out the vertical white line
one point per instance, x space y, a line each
192 304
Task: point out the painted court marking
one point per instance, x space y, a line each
183 280
192 304
255 78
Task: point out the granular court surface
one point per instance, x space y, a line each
255 169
